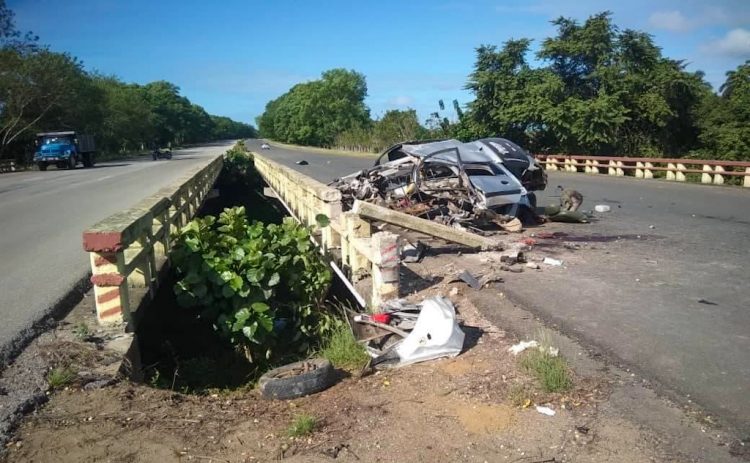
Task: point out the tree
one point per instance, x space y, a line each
396 126
725 118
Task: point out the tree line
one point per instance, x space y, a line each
599 90
43 90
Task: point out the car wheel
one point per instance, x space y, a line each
72 162
532 200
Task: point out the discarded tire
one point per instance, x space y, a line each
297 379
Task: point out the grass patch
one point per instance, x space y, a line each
552 372
343 351
81 331
519 395
60 377
302 425
325 151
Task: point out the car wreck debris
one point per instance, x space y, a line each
433 332
466 186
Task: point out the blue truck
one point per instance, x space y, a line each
64 149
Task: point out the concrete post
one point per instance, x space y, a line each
110 287
746 182
612 169
680 174
385 268
620 170
356 228
639 169
706 176
718 178
648 171
671 172
595 166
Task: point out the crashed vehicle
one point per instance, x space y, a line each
517 160
448 181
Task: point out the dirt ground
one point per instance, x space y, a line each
470 408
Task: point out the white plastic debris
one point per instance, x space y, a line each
533 265
545 411
436 334
522 346
601 208
552 262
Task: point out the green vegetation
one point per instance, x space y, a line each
302 425
262 285
600 90
81 331
343 351
43 90
551 371
60 377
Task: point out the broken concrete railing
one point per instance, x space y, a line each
715 172
348 238
128 249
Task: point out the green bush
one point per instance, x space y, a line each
239 168
262 286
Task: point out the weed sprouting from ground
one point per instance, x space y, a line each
343 351
81 331
302 425
551 371
519 395
60 377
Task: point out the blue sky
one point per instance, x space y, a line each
232 56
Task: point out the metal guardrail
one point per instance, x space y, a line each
711 171
128 249
8 165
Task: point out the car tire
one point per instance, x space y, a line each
532 199
88 160
274 385
72 162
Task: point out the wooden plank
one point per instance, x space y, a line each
374 212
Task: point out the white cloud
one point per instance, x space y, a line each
401 100
736 43
670 20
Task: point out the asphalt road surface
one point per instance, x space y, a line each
660 285
42 215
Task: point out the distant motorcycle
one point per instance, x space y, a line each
161 154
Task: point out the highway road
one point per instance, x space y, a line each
42 215
660 284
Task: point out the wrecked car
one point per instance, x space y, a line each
517 160
447 181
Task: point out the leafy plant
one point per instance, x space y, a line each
262 286
239 168
302 425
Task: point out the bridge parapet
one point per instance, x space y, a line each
712 171
128 249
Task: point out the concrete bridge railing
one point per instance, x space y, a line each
714 172
128 249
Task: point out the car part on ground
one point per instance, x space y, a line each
446 181
297 379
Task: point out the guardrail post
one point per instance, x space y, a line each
639 169
355 228
671 169
573 165
648 171
680 174
551 163
108 270
746 182
620 170
594 167
385 268
706 176
612 169
718 177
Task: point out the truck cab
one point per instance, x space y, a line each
64 149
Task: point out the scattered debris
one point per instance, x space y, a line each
434 333
552 262
583 429
707 302
652 227
545 411
532 265
302 163
413 253
601 208
469 279
522 346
